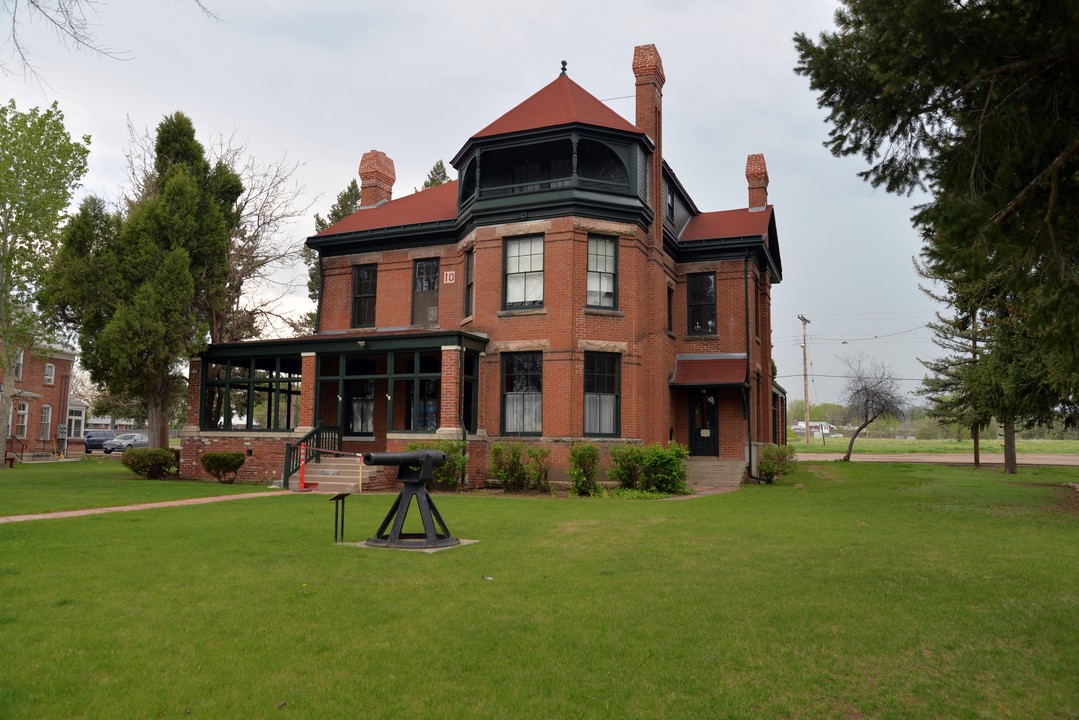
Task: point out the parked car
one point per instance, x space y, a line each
126 442
95 439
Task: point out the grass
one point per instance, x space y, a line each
844 591
91 483
864 445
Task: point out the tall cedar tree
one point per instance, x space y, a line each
141 289
40 166
979 103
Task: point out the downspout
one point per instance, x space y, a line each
749 384
321 288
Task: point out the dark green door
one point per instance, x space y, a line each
703 423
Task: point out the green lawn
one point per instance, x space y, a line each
845 591
876 445
90 483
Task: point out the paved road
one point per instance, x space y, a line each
946 458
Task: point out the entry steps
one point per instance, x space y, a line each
334 474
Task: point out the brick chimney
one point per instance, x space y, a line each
648 71
757 177
376 178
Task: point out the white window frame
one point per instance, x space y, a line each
46 422
76 422
18 366
50 374
21 411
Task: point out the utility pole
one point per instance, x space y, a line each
805 371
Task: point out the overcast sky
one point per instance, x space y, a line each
320 83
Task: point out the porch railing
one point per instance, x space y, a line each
322 438
14 447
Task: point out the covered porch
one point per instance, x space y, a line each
375 392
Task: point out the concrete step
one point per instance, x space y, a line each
334 475
709 472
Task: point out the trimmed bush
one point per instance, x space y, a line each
775 461
224 466
652 469
627 462
519 470
583 468
448 476
154 464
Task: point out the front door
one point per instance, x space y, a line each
703 423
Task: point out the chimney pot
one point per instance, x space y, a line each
377 176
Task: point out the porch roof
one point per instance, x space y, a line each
709 370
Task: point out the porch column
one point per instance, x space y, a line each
309 389
194 392
449 422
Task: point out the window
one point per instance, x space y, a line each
602 390
470 282
50 374
75 418
701 298
361 409
46 422
18 366
522 393
524 272
425 292
364 285
670 309
602 272
21 413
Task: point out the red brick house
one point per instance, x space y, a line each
39 385
565 287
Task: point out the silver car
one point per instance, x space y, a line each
126 442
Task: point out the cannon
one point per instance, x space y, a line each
414 469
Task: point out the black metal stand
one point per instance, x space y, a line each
415 480
339 517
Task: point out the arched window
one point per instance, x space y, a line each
600 168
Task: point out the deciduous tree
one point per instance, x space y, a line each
40 167
348 202
871 391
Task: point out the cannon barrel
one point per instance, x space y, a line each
405 459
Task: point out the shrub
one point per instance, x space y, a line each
223 465
175 469
775 461
653 468
627 462
665 469
448 476
154 464
583 467
519 470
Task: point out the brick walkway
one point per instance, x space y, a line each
141 506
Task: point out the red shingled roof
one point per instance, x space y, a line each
562 101
727 224
708 371
431 205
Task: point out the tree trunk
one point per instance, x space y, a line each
157 419
976 436
5 412
1011 465
850 445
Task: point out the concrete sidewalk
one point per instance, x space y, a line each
141 506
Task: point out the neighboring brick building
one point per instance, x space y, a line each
565 287
39 385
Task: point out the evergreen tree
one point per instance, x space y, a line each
436 176
142 288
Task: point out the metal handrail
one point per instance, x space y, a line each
12 441
323 438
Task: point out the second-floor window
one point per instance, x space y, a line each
524 272
18 366
602 272
364 290
50 374
470 282
425 292
701 299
